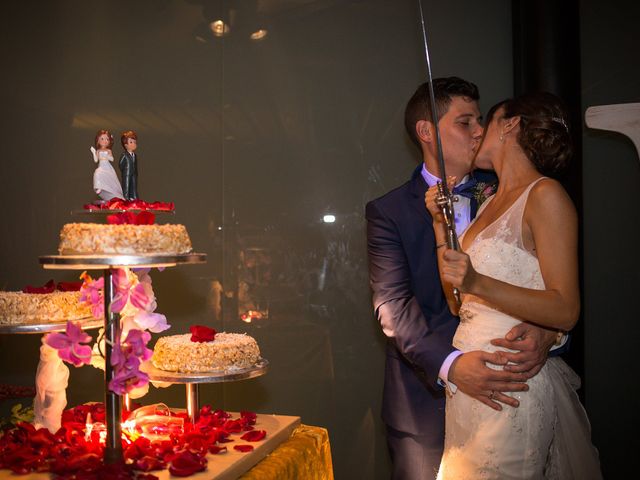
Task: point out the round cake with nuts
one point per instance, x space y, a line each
226 352
95 238
17 308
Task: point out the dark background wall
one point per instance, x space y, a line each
255 142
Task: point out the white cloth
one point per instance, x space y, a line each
105 180
548 435
52 378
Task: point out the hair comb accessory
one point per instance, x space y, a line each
561 121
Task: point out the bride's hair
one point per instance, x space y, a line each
544 129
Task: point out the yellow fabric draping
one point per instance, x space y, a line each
306 455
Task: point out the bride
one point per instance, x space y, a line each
105 179
520 265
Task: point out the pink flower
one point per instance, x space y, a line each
121 285
91 292
69 345
154 322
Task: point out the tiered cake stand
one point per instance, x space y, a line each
107 263
113 402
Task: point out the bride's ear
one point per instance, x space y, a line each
510 124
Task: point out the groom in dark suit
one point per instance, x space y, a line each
409 301
129 165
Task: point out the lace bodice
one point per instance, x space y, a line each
104 155
498 250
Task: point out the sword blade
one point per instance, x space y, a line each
432 98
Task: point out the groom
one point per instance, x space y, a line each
409 301
129 165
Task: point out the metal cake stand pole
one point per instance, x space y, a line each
112 401
193 403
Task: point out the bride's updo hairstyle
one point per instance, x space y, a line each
544 130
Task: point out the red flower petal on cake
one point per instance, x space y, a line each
145 218
48 287
254 436
69 286
249 417
200 333
215 449
243 448
186 463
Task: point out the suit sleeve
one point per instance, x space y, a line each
425 343
125 170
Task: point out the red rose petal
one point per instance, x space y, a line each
254 436
48 287
215 449
243 448
201 333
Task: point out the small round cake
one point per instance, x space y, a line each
95 238
17 308
228 351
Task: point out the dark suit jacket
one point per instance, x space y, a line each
129 174
409 301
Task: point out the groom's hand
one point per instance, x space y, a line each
470 374
532 344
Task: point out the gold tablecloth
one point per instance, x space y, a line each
306 455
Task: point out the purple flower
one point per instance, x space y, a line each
126 358
69 345
137 341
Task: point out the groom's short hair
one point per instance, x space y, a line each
444 89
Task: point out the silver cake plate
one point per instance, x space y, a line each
85 324
97 261
230 375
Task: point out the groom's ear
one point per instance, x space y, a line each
424 131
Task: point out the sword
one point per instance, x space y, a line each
445 198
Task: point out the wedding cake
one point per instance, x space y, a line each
17 308
227 351
126 239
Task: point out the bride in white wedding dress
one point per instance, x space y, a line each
521 264
105 179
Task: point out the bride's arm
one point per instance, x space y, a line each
440 232
552 219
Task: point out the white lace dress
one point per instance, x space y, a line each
105 179
548 436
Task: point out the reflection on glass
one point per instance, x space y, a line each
258 34
219 28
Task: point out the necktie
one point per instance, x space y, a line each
466 189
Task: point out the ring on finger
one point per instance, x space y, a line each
492 394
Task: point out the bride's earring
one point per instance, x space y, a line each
502 137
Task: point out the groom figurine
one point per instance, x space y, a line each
129 165
409 301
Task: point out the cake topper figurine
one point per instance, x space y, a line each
129 165
105 180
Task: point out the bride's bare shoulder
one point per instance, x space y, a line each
549 198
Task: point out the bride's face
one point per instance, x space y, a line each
103 141
491 143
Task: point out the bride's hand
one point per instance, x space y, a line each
430 199
458 270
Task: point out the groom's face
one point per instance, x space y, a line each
461 131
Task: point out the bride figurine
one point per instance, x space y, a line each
105 180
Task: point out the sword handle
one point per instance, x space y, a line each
445 201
